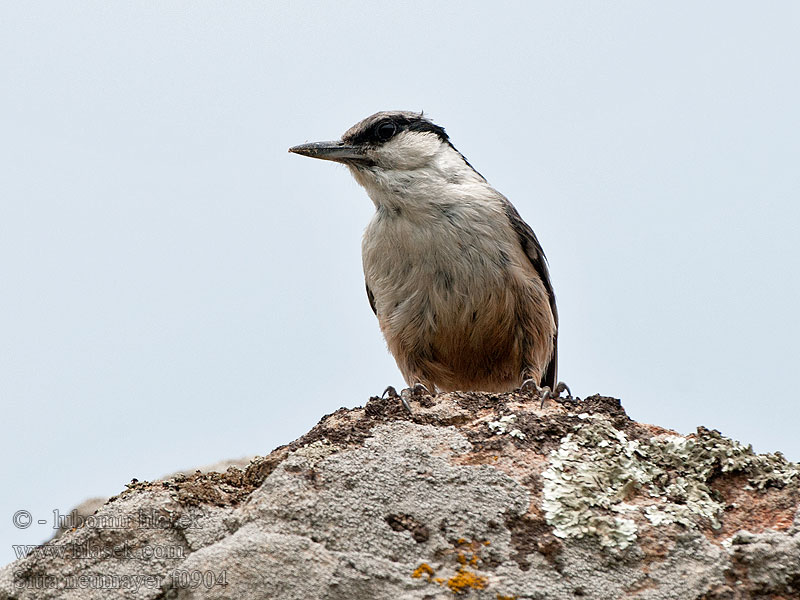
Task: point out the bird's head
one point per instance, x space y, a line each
393 152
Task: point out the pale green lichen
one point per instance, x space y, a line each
597 471
317 450
502 426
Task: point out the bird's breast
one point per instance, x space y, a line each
438 284
434 261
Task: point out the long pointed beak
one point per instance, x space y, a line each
337 151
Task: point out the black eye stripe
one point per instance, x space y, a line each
377 133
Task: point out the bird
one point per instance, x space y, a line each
457 279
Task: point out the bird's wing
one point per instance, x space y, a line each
371 298
536 255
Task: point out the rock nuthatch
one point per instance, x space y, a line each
457 279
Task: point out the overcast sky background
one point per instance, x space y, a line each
177 289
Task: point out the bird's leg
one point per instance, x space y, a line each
415 391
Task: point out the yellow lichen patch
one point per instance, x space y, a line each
499 597
465 580
423 570
472 560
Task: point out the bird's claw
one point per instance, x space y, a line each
555 394
415 391
545 393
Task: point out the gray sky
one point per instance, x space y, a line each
177 289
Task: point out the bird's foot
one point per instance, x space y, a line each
545 393
555 394
415 391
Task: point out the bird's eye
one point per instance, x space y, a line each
385 130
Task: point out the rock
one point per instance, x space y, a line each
88 507
78 514
484 496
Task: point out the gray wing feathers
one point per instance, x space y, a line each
536 255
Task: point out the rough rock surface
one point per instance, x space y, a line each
472 496
90 506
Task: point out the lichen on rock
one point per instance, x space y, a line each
597 470
474 496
